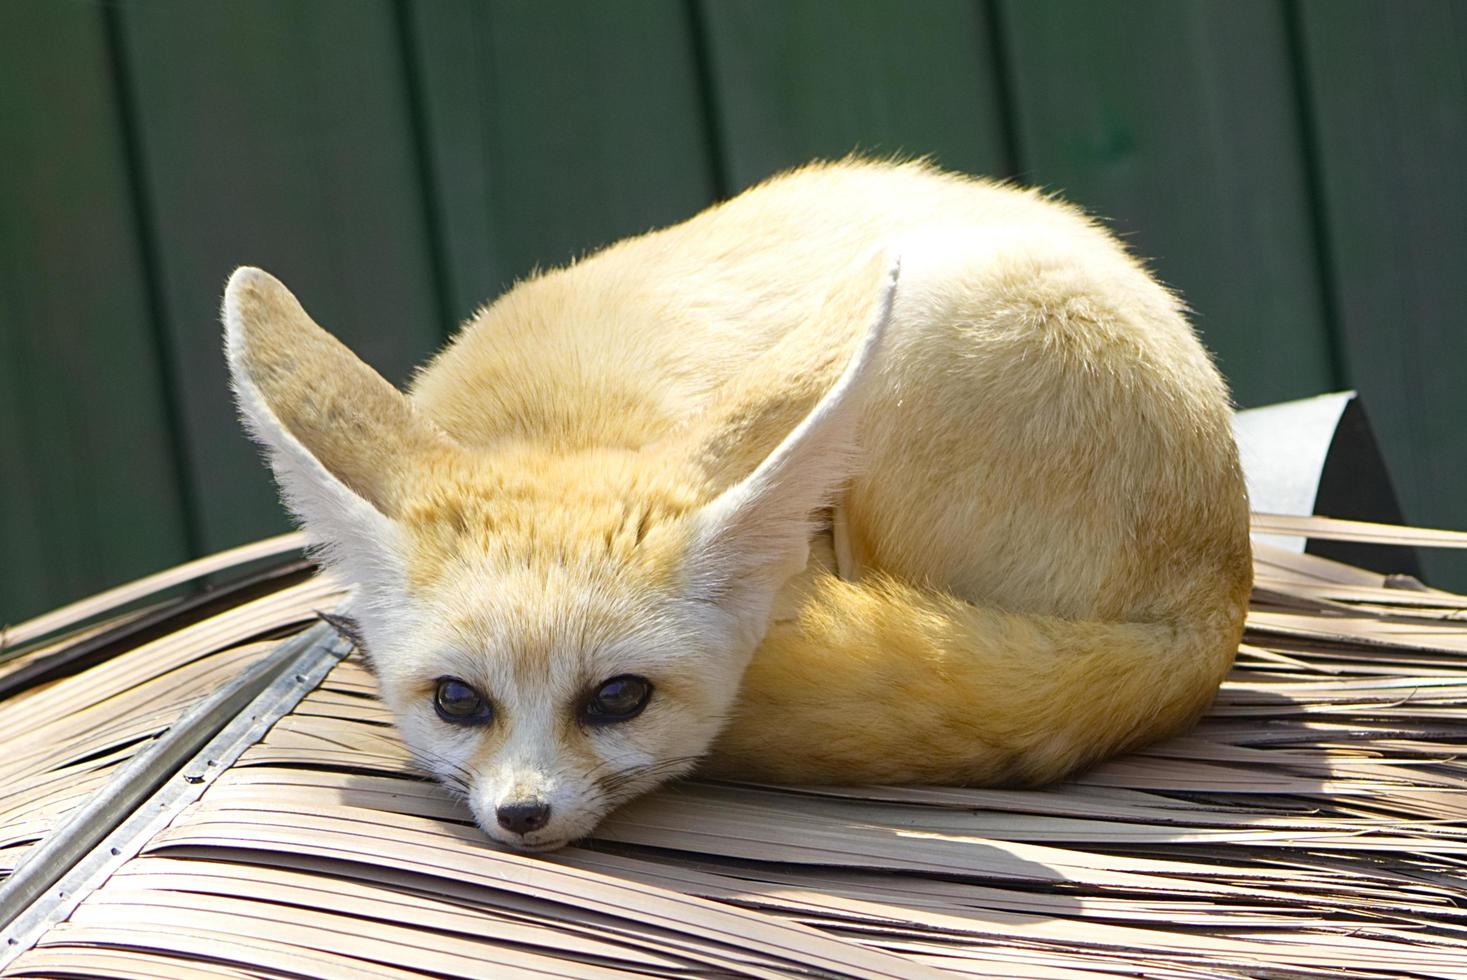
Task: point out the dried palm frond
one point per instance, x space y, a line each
1312 825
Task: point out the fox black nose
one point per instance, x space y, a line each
523 816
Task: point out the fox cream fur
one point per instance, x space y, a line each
871 474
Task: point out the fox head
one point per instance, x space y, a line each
554 632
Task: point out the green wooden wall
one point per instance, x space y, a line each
1297 168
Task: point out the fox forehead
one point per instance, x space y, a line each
549 582
530 508
544 613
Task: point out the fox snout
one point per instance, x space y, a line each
531 817
536 813
523 816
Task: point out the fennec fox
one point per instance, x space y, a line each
871 474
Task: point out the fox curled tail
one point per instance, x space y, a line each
880 681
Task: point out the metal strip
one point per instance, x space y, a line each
151 790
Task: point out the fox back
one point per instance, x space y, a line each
870 473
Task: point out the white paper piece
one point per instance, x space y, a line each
1283 448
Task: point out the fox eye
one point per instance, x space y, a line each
459 704
619 699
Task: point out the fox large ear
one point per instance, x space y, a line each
338 435
756 534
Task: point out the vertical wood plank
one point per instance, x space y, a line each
1178 122
1388 90
89 492
554 128
276 133
794 80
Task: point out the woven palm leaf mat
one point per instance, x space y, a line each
1312 825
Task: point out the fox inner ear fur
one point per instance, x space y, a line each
339 436
756 534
